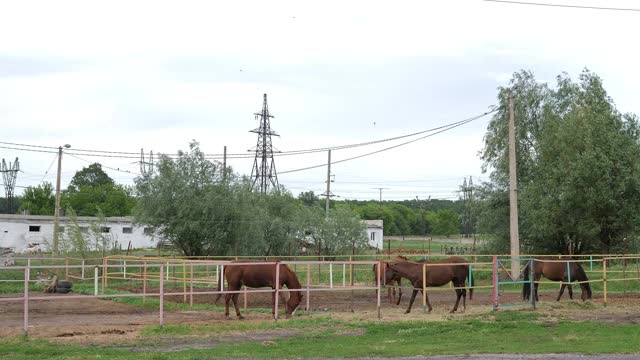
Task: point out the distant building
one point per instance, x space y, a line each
17 231
375 233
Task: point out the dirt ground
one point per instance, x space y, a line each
105 321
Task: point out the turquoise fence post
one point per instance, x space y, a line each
470 280
569 272
590 262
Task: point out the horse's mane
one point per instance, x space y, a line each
292 280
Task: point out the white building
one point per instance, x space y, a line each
16 231
375 233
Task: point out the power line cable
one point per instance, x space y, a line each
104 166
457 124
136 155
563 5
46 172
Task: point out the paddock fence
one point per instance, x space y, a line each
159 277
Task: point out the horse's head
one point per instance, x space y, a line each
388 274
586 287
295 298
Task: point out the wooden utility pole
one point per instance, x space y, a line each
513 194
56 211
328 185
224 165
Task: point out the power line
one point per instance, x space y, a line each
562 5
457 124
104 166
136 155
50 165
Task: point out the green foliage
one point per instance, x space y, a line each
83 241
188 203
39 200
444 222
92 191
337 233
92 176
408 217
578 174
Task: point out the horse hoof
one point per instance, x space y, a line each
406 312
240 317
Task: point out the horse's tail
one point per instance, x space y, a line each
526 287
219 287
471 285
582 276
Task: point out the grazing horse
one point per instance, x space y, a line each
260 275
456 272
389 278
556 271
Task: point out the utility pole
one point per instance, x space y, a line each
380 189
224 166
56 211
328 193
513 194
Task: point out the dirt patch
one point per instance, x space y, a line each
103 322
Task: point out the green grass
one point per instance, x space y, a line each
502 332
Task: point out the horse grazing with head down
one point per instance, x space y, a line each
567 272
389 278
261 275
456 270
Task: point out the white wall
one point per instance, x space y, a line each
375 233
15 234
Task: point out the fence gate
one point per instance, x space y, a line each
502 277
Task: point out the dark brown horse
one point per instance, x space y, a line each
389 279
556 271
261 275
438 275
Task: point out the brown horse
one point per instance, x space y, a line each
436 276
260 275
389 278
556 271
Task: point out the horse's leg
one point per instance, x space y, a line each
536 278
464 300
561 291
428 302
227 298
235 305
458 296
399 291
413 297
570 291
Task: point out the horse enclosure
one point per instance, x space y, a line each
341 285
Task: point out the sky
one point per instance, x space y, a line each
123 76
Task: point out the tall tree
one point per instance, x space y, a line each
92 176
92 191
578 176
39 200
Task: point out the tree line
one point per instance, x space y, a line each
578 189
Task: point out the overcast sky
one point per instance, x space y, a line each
125 75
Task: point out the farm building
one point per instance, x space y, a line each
17 231
374 232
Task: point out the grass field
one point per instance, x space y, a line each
502 332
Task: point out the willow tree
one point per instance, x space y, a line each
578 174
